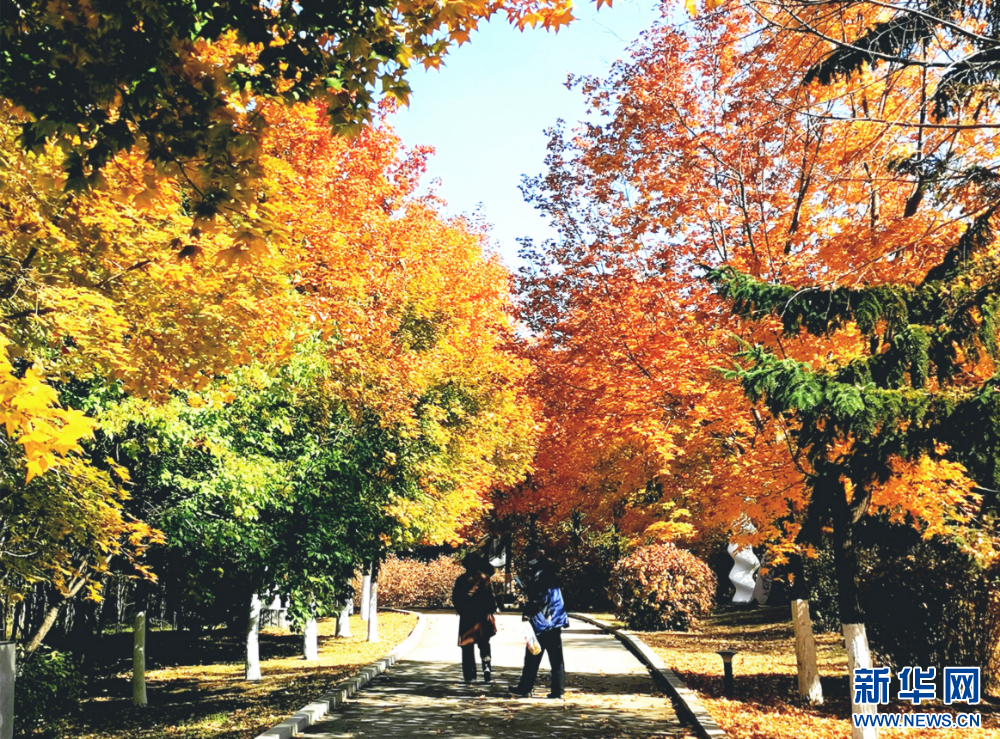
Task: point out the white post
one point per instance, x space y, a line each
366 593
373 613
310 638
858 657
344 620
810 689
139 660
7 657
252 669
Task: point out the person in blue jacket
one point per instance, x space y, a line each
545 611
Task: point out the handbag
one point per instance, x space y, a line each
480 630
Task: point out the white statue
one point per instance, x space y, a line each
745 564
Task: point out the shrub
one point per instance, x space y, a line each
48 687
926 603
821 579
932 604
583 579
662 587
414 583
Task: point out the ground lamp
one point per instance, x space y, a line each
727 671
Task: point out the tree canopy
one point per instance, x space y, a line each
708 154
274 410
106 77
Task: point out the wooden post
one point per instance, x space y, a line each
252 668
7 671
810 688
344 619
139 660
373 605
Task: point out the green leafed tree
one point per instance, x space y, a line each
264 483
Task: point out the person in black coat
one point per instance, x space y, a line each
473 598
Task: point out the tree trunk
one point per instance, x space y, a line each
139 660
344 620
48 620
373 605
7 671
68 618
366 591
53 611
252 667
845 565
852 617
310 636
15 626
858 656
810 689
100 610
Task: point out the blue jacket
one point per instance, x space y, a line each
544 606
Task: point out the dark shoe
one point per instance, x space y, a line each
511 692
553 696
487 675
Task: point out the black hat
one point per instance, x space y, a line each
473 562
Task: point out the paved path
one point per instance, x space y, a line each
609 695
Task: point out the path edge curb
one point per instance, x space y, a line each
694 711
318 710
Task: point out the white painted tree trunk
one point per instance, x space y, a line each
344 620
366 594
252 670
858 656
310 639
7 671
810 689
139 660
373 613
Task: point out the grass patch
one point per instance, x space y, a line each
608 618
196 688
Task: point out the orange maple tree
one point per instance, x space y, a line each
415 309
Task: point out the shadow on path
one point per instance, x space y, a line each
609 694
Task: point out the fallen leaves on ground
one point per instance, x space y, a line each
766 704
188 700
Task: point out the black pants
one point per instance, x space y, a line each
469 659
551 642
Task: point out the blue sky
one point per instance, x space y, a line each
486 110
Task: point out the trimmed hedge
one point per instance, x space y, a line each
661 587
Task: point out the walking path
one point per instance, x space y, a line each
609 693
